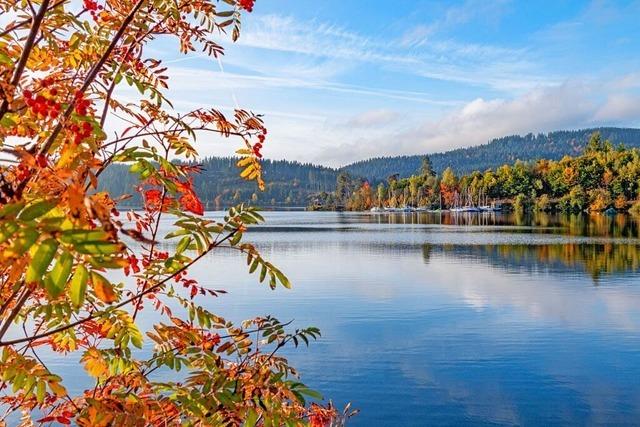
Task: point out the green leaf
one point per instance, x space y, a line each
78 285
254 265
311 393
40 391
183 244
283 279
41 259
57 278
36 210
251 419
98 248
24 241
176 233
6 121
80 236
10 209
236 238
8 229
5 59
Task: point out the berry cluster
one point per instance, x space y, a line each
90 5
22 172
258 146
246 5
93 7
41 105
80 132
82 104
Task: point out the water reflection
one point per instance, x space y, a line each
452 319
592 225
593 258
468 319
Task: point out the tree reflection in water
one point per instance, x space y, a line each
618 252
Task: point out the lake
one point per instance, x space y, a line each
429 319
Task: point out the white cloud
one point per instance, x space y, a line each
372 118
567 106
619 108
281 33
628 81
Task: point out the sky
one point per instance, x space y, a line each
345 80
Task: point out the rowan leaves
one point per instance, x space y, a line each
64 244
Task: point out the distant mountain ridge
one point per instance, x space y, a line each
288 183
496 152
291 183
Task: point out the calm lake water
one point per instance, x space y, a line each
451 320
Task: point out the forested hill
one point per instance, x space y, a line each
219 185
495 153
292 183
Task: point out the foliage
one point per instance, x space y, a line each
505 150
542 203
61 240
520 203
602 177
287 183
635 208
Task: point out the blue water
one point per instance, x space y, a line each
430 320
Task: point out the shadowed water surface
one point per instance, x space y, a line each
449 320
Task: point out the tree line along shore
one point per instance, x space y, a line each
604 177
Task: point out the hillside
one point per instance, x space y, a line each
288 183
497 152
291 183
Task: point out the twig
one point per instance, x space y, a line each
122 304
26 51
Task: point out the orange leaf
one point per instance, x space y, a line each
103 288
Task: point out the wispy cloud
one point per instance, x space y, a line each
187 79
489 12
286 34
442 59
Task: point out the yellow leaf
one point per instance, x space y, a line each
94 363
57 389
103 288
244 162
249 169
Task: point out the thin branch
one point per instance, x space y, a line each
123 303
27 293
26 51
136 307
93 73
4 306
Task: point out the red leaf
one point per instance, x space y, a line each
190 202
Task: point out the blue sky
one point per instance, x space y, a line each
340 81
